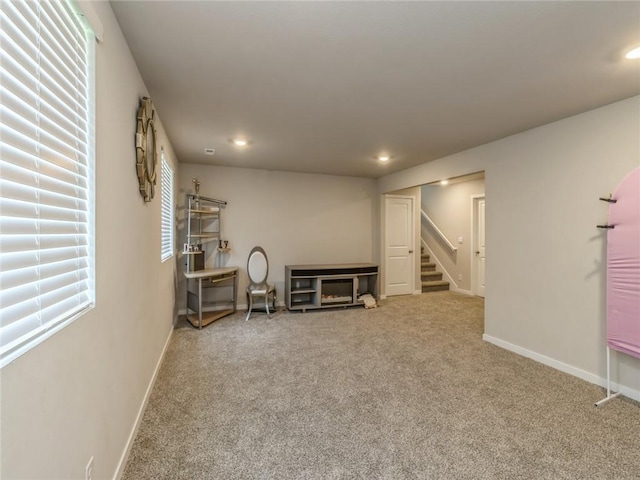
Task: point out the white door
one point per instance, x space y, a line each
399 245
480 249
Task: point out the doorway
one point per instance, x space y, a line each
399 245
478 245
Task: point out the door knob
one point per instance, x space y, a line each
478 252
410 251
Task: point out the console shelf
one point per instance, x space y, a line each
207 280
310 287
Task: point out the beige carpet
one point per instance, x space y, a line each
405 391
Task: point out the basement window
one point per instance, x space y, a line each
167 222
46 172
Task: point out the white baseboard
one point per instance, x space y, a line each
563 367
460 290
134 431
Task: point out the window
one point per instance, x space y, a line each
46 172
166 236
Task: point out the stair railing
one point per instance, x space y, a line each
446 241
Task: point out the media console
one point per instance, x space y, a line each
331 285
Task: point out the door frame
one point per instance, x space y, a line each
414 202
474 239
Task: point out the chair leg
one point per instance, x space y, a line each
274 300
266 304
250 306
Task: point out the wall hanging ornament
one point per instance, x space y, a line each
146 155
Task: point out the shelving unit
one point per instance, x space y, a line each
203 228
211 292
310 287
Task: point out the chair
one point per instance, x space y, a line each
258 270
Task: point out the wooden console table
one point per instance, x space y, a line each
201 280
329 285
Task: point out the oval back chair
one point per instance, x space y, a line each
258 271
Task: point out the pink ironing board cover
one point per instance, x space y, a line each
623 267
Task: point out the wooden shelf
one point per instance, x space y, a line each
303 290
205 211
300 305
205 235
209 317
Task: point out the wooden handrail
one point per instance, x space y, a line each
451 246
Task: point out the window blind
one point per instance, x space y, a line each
167 227
46 207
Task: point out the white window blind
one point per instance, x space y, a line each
166 236
46 178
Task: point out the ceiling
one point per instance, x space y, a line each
324 87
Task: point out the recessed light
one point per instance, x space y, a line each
384 158
444 182
240 142
633 54
209 151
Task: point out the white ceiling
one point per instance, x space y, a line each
324 87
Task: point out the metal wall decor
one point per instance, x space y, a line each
146 155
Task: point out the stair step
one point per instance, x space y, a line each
431 276
425 257
427 267
435 286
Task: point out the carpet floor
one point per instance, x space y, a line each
405 391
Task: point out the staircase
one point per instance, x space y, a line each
431 279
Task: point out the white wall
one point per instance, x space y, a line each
450 207
545 294
78 393
297 218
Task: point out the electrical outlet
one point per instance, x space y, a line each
89 470
459 276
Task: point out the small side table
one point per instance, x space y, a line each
207 278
